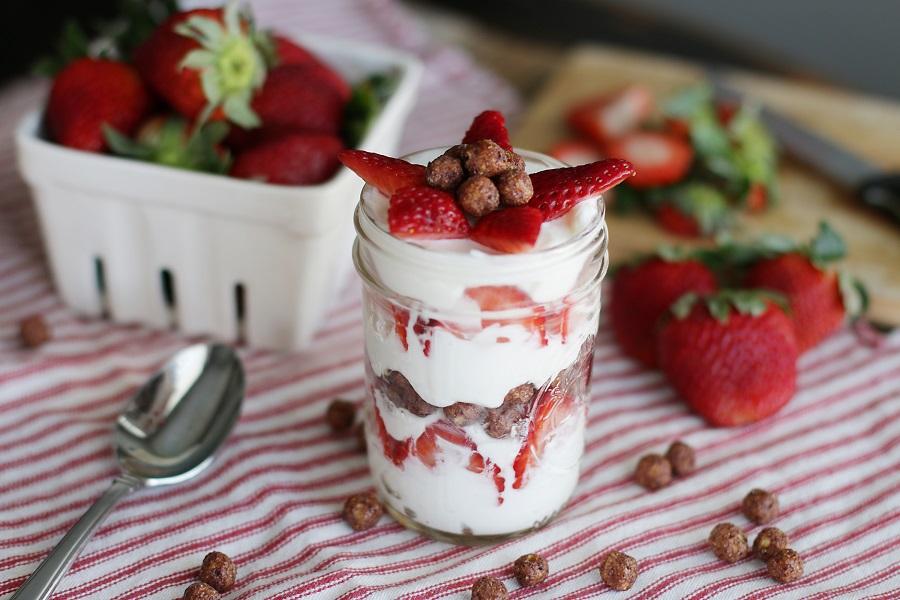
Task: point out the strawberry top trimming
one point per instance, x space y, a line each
479 192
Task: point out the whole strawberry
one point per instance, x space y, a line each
288 52
299 97
205 63
731 356
819 298
90 93
643 292
290 158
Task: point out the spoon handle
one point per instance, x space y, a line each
46 577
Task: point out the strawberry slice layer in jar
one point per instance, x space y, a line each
478 360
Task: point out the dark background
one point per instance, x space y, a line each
855 44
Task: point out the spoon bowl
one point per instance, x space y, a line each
167 433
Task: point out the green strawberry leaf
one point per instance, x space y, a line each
854 294
826 247
681 308
705 203
367 99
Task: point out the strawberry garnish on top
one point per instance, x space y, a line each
731 356
426 213
90 93
509 230
558 190
611 116
205 63
489 125
384 173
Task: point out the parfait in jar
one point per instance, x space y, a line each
482 275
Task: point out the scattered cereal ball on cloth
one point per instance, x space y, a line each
218 571
362 511
682 458
340 415
200 591
785 566
760 506
34 331
489 588
530 569
728 542
769 541
619 571
653 472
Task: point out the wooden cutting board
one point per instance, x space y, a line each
868 126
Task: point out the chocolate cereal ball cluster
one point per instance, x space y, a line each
483 176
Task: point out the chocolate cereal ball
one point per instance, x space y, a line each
478 196
619 571
514 187
362 511
769 541
34 331
340 415
530 569
760 506
681 457
785 566
200 591
445 172
486 157
653 472
728 542
489 588
218 571
463 413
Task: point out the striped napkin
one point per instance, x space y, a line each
272 500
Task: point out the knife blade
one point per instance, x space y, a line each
871 184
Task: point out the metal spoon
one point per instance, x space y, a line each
167 433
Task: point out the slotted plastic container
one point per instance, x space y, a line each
207 254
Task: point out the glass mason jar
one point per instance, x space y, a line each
477 371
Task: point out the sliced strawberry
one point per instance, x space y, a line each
383 172
610 116
509 230
558 190
757 198
493 298
426 213
489 125
658 158
395 450
425 448
401 322
575 152
725 111
678 127
552 409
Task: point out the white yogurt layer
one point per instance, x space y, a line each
453 499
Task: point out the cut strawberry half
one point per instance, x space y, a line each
385 173
575 152
509 230
610 116
426 213
558 190
552 409
658 158
489 125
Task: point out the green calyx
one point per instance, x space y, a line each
171 142
231 63
720 304
367 99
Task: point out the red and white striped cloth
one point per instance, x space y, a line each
272 500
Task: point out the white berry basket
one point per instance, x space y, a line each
207 254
